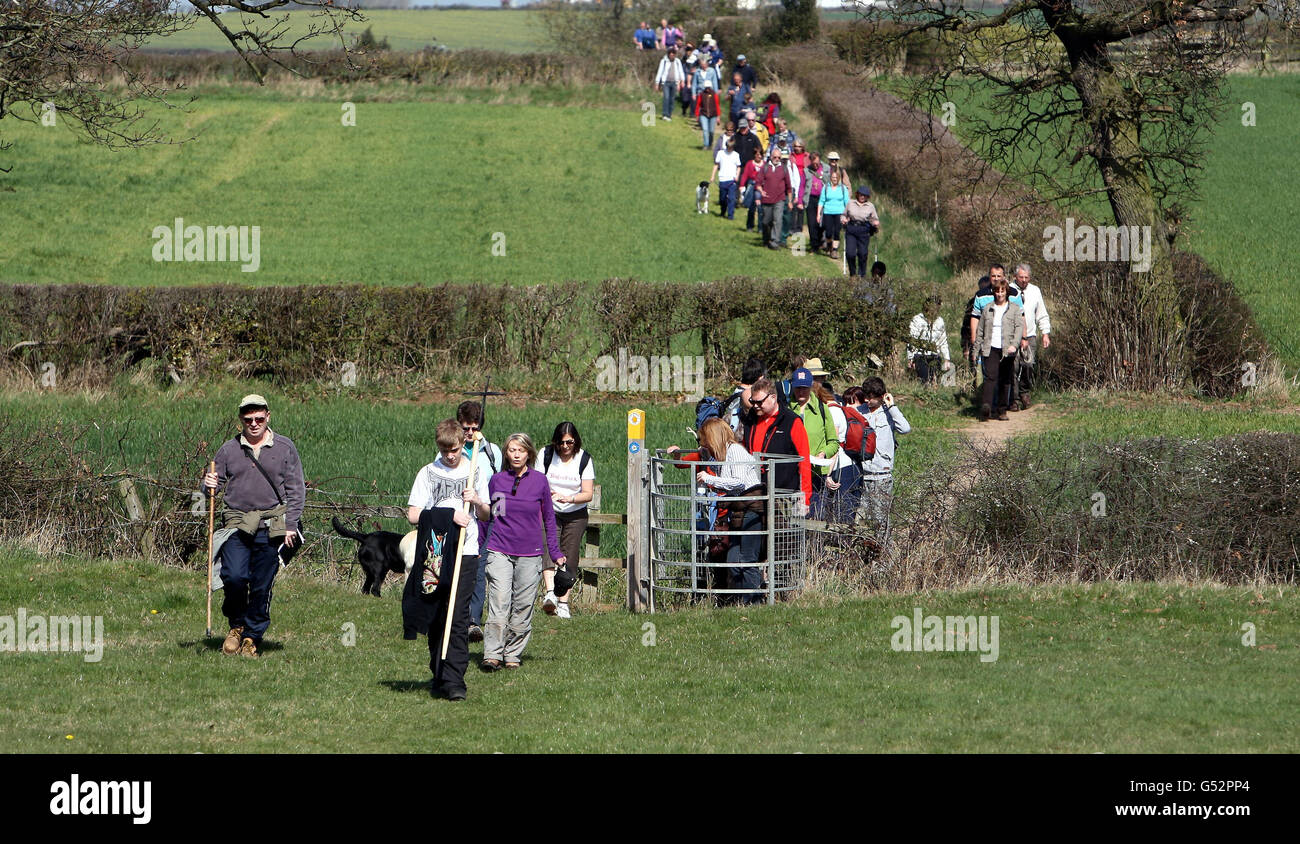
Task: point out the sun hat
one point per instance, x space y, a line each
253 400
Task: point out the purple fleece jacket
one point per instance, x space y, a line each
518 518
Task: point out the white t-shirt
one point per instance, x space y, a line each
564 478
998 312
438 485
728 165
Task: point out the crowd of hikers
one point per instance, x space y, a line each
759 163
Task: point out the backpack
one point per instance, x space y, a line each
859 439
549 451
709 407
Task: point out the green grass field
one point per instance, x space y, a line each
513 31
415 193
1242 224
1115 668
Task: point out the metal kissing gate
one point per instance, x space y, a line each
679 520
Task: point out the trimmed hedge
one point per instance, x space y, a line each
299 334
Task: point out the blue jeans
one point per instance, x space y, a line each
248 569
728 190
670 91
706 129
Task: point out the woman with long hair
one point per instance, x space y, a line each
738 476
522 514
572 477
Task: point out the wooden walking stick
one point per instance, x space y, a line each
212 497
460 545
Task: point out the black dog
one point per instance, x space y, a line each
381 552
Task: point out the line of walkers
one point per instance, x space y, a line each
760 163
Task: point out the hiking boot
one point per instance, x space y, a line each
562 610
1015 407
1002 417
475 633
985 413
230 647
247 648
1024 401
549 603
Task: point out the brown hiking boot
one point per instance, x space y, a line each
247 648
230 647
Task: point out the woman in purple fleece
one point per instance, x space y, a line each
521 515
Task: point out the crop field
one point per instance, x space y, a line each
1243 221
374 448
1113 668
416 192
513 31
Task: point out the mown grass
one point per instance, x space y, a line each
1242 222
514 31
1117 668
414 193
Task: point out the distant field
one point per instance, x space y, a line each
1244 223
514 31
415 193
1105 668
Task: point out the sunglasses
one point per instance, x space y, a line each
253 420
758 402
567 442
469 429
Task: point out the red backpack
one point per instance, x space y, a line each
859 438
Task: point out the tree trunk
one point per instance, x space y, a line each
1117 148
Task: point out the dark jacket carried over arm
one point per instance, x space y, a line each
418 608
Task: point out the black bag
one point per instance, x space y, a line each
565 578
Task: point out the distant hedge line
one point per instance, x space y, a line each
298 334
477 67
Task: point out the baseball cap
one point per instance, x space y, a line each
252 400
832 156
801 378
740 58
814 365
863 190
708 83
743 124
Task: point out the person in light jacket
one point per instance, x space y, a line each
1001 328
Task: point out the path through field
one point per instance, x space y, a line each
992 434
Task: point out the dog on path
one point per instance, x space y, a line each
378 553
702 198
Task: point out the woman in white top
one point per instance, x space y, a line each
572 476
930 345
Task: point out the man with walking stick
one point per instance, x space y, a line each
264 495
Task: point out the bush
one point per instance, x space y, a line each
796 21
1034 511
302 334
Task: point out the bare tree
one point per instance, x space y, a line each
69 59
1123 90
